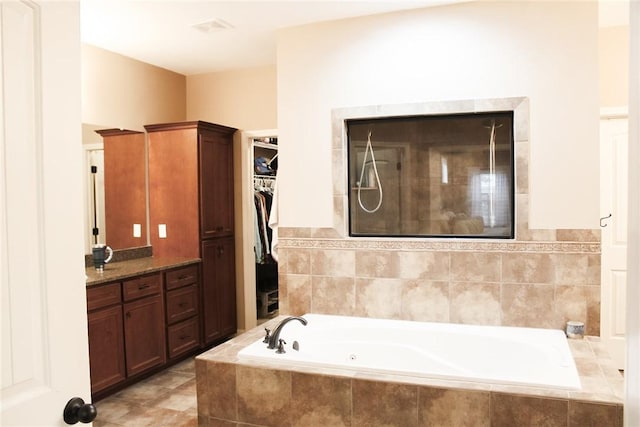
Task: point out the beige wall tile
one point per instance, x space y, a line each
384 404
202 388
453 408
566 235
298 296
527 268
572 303
380 298
475 303
583 414
215 422
333 295
298 261
528 306
264 396
592 326
425 301
475 266
576 269
509 410
320 401
221 379
423 265
336 263
293 232
377 264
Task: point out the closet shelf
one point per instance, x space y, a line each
265 145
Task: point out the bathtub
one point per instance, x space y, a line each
489 354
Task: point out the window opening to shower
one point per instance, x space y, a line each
445 175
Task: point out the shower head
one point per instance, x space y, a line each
491 123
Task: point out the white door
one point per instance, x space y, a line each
613 200
45 359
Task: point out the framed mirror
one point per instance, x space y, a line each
116 188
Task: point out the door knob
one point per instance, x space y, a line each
76 410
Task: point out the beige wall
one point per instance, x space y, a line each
613 45
244 99
121 92
546 51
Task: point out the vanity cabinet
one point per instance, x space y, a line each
183 309
191 214
145 343
219 292
142 324
106 339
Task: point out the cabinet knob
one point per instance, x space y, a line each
76 410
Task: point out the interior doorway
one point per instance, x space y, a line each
614 155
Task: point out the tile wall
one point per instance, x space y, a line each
543 278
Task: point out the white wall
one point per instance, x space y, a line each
546 51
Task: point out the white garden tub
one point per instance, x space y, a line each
494 354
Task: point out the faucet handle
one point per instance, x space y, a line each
280 349
267 335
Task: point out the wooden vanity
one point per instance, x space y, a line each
143 315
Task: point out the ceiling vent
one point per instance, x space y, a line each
213 25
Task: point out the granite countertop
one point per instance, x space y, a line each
115 271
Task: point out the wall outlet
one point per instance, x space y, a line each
162 231
137 230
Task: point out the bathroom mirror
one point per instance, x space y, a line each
115 204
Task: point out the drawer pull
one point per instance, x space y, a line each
143 286
182 304
183 276
183 337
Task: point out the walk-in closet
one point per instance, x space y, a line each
265 168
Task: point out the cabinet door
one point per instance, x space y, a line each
106 346
144 334
173 194
219 289
216 184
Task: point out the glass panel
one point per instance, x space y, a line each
438 175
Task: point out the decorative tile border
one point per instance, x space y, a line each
450 246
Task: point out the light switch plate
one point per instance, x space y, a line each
162 231
137 230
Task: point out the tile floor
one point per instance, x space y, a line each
165 399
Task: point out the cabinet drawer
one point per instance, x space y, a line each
183 337
102 296
182 277
141 286
182 303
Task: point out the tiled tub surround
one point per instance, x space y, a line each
232 393
534 284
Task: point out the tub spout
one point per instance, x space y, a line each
273 339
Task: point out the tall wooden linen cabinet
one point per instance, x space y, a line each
191 211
